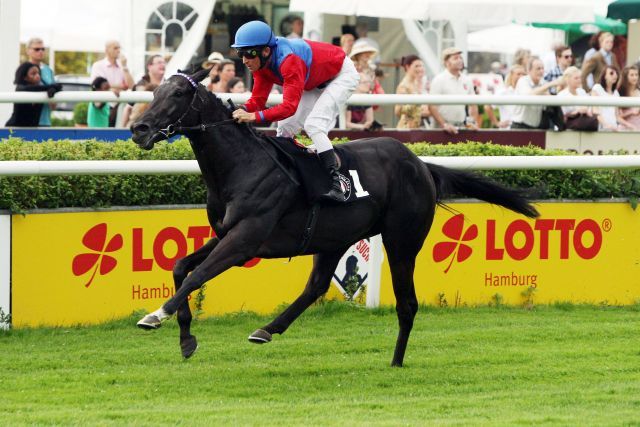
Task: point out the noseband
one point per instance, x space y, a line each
177 128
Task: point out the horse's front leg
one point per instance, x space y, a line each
239 245
324 264
188 342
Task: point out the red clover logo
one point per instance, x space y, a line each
455 249
96 240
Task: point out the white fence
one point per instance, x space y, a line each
164 167
356 99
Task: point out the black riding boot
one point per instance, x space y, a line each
328 159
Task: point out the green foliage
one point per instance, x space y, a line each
22 193
5 319
60 123
528 295
68 62
80 113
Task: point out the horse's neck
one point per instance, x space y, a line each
226 155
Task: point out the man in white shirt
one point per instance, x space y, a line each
530 116
113 67
451 81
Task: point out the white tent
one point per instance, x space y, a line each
476 12
463 16
506 39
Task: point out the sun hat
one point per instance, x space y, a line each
448 52
212 59
359 48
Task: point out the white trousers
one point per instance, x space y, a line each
318 108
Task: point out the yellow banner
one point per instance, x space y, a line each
480 254
88 267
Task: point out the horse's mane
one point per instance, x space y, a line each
217 102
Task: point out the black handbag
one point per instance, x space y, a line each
582 122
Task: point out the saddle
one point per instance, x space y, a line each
313 176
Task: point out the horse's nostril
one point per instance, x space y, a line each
139 128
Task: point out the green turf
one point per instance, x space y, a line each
561 365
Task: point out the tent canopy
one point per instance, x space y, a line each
484 12
507 39
624 10
582 28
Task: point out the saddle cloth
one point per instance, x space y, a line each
313 176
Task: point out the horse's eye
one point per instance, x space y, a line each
178 93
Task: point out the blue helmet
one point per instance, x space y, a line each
254 33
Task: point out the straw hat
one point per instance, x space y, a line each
215 57
359 48
448 52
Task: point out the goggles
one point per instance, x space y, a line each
248 52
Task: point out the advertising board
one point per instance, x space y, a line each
89 267
480 254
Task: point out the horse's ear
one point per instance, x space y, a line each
199 76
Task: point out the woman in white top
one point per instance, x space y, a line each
629 118
572 76
509 88
607 116
576 117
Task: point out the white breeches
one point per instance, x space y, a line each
318 108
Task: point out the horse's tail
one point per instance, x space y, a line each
450 182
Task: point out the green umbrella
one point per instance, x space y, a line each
581 28
624 10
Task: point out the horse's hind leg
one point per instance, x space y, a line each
324 265
403 238
182 268
406 301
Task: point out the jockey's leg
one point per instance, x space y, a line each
291 126
322 118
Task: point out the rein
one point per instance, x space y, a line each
177 128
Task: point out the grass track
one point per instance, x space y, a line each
562 365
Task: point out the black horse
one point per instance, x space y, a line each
257 210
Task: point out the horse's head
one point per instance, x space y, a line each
174 104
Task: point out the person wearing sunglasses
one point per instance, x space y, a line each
564 59
317 79
35 55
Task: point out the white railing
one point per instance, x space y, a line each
164 167
356 99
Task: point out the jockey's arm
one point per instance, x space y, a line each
261 90
293 72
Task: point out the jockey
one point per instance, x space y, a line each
317 79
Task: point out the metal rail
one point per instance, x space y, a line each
167 167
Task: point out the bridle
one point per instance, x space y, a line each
177 128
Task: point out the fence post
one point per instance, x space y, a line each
5 270
375 269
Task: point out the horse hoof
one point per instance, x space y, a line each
260 336
188 346
148 322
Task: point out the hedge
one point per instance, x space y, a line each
22 193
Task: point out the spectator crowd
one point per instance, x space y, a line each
601 74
